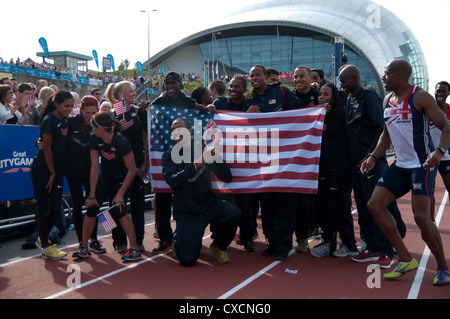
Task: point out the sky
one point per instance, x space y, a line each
121 29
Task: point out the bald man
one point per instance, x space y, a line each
407 113
194 204
364 124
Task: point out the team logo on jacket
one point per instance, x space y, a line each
127 124
65 131
108 156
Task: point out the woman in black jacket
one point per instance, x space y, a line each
333 205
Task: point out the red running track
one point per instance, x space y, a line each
249 276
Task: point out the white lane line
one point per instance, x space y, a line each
252 278
415 288
118 271
93 281
60 248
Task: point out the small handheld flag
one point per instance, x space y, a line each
106 220
119 107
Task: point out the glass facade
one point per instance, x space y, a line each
286 33
284 53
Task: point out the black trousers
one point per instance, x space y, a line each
48 204
78 199
278 215
137 210
334 206
363 186
107 188
223 218
247 223
306 215
163 214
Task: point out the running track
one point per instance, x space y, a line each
249 276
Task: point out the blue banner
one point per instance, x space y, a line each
112 62
43 43
140 68
94 54
17 151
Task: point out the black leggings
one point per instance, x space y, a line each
48 204
223 218
107 188
137 205
76 193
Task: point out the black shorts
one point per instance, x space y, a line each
399 181
107 188
444 168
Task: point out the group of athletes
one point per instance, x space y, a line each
358 133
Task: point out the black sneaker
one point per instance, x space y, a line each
96 247
82 252
164 246
120 248
281 256
131 254
249 246
270 251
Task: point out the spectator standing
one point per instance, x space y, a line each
10 113
39 85
39 104
217 88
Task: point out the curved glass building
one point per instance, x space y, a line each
287 33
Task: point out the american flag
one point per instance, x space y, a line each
119 107
266 152
106 220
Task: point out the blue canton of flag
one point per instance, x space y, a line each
161 135
106 220
161 122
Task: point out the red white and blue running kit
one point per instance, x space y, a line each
409 130
444 164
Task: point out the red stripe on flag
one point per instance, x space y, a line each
119 108
291 165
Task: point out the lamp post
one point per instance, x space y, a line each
213 38
148 51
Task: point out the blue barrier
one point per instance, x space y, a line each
17 151
7 68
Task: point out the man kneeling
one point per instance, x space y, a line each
194 204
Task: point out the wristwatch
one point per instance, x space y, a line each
442 149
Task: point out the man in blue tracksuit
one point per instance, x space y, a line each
364 124
278 210
163 201
194 204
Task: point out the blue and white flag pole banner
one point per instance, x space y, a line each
112 62
140 67
95 55
43 43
